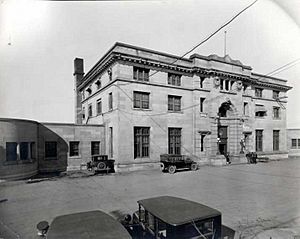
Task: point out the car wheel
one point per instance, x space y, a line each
101 166
172 169
163 167
194 167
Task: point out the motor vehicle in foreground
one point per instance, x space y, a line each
83 225
167 217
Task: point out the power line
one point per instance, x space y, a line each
211 35
150 117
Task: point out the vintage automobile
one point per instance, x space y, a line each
100 163
87 225
167 217
172 162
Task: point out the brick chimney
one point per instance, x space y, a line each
78 75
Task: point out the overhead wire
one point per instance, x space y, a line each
211 35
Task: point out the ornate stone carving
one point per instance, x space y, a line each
216 81
239 85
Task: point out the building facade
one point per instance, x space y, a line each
152 103
293 142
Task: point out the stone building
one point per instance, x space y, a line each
153 103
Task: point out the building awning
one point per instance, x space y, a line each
204 132
260 108
247 129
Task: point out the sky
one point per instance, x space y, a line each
40 39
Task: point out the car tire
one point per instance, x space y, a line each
172 169
194 166
163 167
101 166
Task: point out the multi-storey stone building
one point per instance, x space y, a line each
153 103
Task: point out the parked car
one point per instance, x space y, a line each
167 217
83 225
100 163
172 162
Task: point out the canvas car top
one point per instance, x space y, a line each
177 211
90 225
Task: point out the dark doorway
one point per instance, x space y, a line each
222 134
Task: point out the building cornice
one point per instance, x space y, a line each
113 56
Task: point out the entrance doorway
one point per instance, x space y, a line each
222 134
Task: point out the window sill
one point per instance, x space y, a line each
141 109
178 112
17 162
51 158
276 118
203 114
75 157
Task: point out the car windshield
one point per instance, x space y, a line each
200 229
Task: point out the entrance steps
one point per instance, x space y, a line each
220 160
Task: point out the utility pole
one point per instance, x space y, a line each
225 43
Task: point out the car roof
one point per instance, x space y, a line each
177 211
90 225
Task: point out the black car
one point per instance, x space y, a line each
87 225
172 162
101 163
167 217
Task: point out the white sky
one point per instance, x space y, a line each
36 68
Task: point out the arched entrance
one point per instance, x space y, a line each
225 111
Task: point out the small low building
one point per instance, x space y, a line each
28 147
293 142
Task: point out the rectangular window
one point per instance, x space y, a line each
140 74
83 113
11 151
24 151
258 92
202 104
174 103
74 148
294 143
275 94
260 111
221 84
276 112
259 140
99 106
275 140
140 100
299 143
90 110
202 143
174 140
111 142
110 101
202 78
95 147
174 79
50 149
141 142
227 85
246 109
